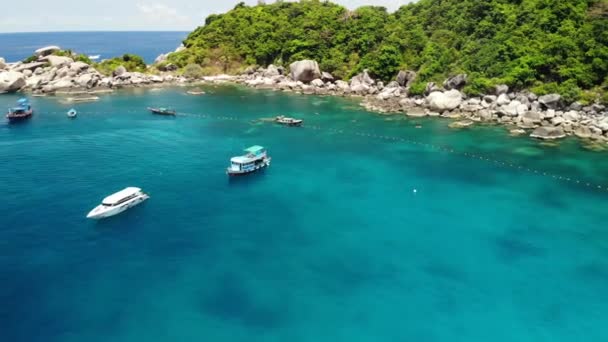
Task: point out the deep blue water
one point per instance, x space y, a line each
329 244
18 46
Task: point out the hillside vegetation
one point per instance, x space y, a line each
546 45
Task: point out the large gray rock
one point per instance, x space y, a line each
35 81
85 80
119 71
47 50
342 85
501 89
514 108
532 117
327 77
405 78
360 88
63 83
503 99
29 66
59 60
317 83
455 82
362 79
572 115
79 66
583 132
271 71
602 124
11 81
444 101
551 101
548 133
305 71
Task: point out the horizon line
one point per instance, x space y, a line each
91 31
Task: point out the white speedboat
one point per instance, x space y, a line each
118 202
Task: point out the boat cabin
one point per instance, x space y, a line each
121 197
255 156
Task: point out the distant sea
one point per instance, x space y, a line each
18 46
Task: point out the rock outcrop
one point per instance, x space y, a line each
548 133
58 61
47 50
501 89
551 101
405 78
119 71
327 77
11 81
455 82
2 63
444 101
304 71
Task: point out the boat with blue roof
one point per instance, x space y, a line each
255 159
22 111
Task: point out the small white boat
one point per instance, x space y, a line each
94 57
72 113
118 202
283 120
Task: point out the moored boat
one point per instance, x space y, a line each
162 111
196 91
255 159
283 120
118 202
72 113
23 111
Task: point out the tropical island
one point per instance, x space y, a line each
540 67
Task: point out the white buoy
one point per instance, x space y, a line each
415 191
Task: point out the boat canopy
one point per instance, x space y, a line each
256 149
114 198
22 101
18 109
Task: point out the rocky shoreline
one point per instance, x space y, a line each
50 74
542 117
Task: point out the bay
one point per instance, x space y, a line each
501 240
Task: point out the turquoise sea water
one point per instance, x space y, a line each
331 243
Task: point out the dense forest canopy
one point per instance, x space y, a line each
547 45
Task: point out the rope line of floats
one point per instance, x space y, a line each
438 148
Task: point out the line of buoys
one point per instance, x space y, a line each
389 138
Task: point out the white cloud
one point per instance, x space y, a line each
163 14
155 15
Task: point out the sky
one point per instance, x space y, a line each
128 15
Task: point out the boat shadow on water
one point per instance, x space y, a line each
131 216
248 179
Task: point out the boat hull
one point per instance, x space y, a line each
162 112
260 167
19 117
101 212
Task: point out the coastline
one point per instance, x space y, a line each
538 123
524 113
